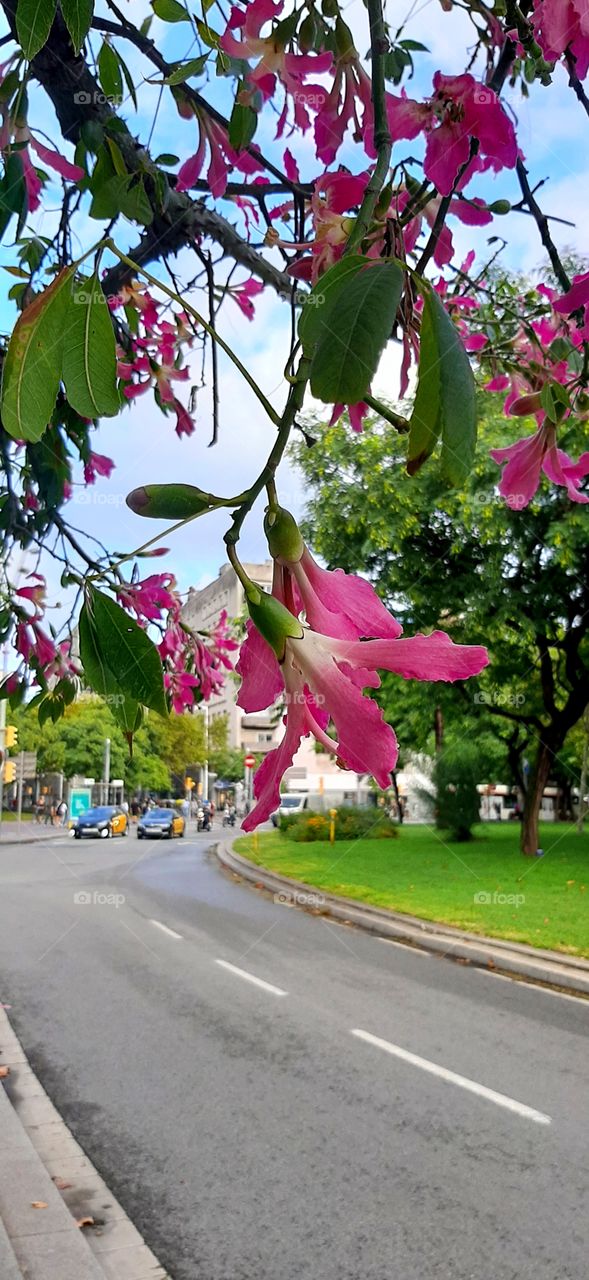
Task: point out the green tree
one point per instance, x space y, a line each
462 560
456 773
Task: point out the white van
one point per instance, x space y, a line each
292 802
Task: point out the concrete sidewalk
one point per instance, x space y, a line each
545 968
28 830
40 1233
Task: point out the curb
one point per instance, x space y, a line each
514 959
42 1165
28 837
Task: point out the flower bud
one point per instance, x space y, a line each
284 536
499 206
272 620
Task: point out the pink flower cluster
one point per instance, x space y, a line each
193 663
39 652
153 360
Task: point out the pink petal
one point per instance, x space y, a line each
261 677
447 150
521 475
72 172
577 296
269 775
365 742
352 597
434 657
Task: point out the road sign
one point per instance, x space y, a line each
80 801
249 762
26 762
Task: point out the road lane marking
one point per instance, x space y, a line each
164 928
501 1099
249 977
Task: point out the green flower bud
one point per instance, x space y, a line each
284 536
273 620
499 206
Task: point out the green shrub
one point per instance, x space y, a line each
350 824
456 772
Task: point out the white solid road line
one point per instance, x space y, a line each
452 1077
164 928
249 977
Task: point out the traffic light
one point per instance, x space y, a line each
11 735
188 784
9 771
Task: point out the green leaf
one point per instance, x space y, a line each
136 206
445 401
101 679
243 123
167 159
34 20
128 78
185 70
170 11
89 358
355 334
107 201
109 73
172 501
77 15
32 368
125 648
314 315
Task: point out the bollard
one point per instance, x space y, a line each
332 818
255 842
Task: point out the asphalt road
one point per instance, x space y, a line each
201 1041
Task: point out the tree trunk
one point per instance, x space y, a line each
533 799
583 779
397 796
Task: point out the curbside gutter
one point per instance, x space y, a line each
514 959
48 1187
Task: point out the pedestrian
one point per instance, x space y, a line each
211 812
50 814
62 812
134 809
40 810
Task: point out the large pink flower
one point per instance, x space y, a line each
528 458
323 680
322 667
460 109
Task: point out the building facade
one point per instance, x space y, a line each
259 732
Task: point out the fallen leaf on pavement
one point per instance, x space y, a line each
4 1072
60 1183
84 1222
38 1204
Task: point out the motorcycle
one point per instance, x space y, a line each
229 819
203 820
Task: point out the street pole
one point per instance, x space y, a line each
205 781
20 781
3 730
106 771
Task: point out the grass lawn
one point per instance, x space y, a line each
427 875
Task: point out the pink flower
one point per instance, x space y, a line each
150 598
561 26
356 414
97 465
274 62
349 101
577 296
33 184
459 110
222 158
526 459
323 680
242 294
322 667
181 684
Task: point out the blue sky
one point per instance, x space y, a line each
143 442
